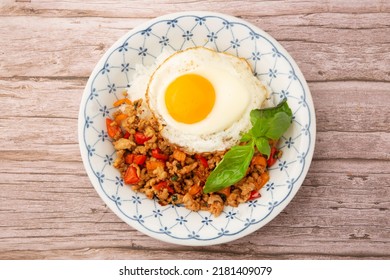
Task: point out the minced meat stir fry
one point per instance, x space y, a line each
162 171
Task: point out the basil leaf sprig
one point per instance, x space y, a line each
267 124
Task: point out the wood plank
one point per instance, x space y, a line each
352 55
41 97
131 253
150 9
351 106
343 145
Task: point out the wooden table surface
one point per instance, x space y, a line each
48 207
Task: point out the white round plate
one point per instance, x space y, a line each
270 63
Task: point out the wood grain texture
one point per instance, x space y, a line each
49 209
315 47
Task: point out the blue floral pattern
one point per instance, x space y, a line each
270 63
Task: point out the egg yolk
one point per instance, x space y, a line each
190 98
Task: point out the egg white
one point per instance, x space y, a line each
228 95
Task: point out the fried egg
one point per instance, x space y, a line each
203 98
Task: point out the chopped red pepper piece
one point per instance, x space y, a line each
127 135
272 157
137 159
131 176
254 194
163 185
129 158
113 130
202 160
157 154
140 138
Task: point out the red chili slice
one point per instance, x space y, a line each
139 159
131 176
272 157
202 160
163 185
254 194
140 138
157 154
129 158
112 130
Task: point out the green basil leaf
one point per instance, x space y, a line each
260 127
262 145
278 125
231 169
255 115
246 137
270 112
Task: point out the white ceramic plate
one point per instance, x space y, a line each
270 63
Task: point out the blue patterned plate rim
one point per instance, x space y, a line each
198 228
